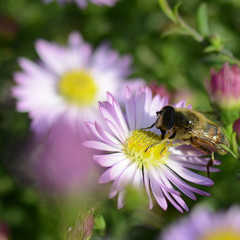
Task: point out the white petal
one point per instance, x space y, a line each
101 146
109 160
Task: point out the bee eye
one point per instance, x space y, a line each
168 117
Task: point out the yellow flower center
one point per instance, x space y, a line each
223 234
146 149
78 87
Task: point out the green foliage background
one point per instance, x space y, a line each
133 27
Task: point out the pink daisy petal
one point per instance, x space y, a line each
158 194
189 175
114 172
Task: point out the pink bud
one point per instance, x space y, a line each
236 128
224 86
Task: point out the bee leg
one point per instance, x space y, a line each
205 150
148 127
172 136
164 140
152 145
163 133
210 163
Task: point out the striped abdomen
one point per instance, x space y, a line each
215 135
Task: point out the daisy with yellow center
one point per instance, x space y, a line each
204 224
160 169
68 81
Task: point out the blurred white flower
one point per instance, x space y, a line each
68 81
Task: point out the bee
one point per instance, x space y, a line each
192 128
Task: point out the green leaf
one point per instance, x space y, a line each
184 26
99 223
217 42
173 31
227 149
234 143
210 49
167 10
202 20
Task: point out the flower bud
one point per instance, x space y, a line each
224 87
4 231
236 128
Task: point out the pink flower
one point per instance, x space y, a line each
160 169
59 162
236 128
204 224
159 90
224 87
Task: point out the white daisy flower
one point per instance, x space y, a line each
68 81
163 170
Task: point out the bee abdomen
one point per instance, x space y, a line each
216 134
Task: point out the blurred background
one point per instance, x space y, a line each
132 27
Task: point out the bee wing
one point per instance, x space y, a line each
205 139
211 115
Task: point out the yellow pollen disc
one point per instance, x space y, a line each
78 87
137 148
222 234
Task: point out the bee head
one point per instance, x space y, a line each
166 118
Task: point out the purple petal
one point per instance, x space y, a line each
114 172
189 175
52 55
177 180
158 193
146 184
130 109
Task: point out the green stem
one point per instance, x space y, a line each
167 10
173 15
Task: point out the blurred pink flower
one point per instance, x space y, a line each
83 3
59 162
224 87
159 90
186 94
4 231
69 80
204 224
8 27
